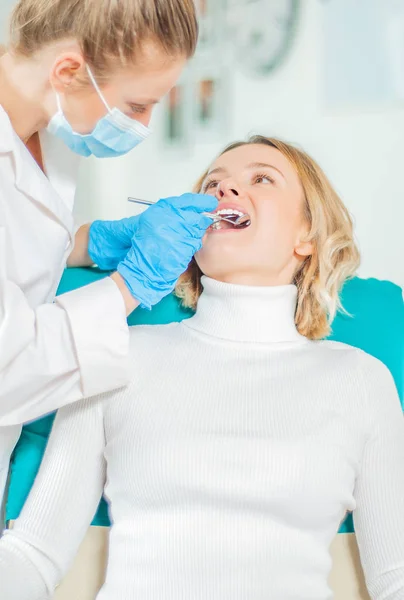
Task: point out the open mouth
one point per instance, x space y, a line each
231 220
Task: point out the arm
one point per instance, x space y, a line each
77 347
379 491
61 352
79 256
36 554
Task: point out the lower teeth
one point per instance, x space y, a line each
218 225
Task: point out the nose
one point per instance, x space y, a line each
227 190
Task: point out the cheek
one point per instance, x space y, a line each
94 109
277 226
84 113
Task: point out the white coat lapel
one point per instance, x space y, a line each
54 193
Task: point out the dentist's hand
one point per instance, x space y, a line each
110 241
165 238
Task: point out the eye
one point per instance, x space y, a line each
263 178
138 108
209 185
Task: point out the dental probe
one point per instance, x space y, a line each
236 220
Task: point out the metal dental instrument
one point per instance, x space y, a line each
139 201
236 220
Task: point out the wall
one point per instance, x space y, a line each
360 151
5 8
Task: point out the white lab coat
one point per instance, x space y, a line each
51 353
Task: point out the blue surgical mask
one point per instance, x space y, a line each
114 135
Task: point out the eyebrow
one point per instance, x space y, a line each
217 170
254 165
260 165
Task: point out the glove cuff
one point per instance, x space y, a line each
140 287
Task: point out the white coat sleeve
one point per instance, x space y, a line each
38 551
61 352
379 491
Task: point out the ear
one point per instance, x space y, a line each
304 249
66 70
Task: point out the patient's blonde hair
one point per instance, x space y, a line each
109 32
335 257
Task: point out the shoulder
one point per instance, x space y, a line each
334 348
378 380
337 354
357 367
358 360
379 391
364 385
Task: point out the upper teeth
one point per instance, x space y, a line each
229 211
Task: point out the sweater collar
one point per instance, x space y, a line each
246 313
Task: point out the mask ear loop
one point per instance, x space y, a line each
97 89
58 103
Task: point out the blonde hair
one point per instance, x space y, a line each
107 31
335 256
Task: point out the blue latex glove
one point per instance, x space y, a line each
110 241
166 237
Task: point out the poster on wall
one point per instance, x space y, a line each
198 107
178 117
363 58
212 102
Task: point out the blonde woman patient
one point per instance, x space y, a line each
243 440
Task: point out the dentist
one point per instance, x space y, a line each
80 78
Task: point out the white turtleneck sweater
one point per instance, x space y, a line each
229 463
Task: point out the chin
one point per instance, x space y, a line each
220 255
210 257
221 269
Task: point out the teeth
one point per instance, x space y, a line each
229 211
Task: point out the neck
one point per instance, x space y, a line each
258 279
22 93
241 313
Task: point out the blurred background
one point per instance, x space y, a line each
327 75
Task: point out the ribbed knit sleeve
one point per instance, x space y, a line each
379 491
38 551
